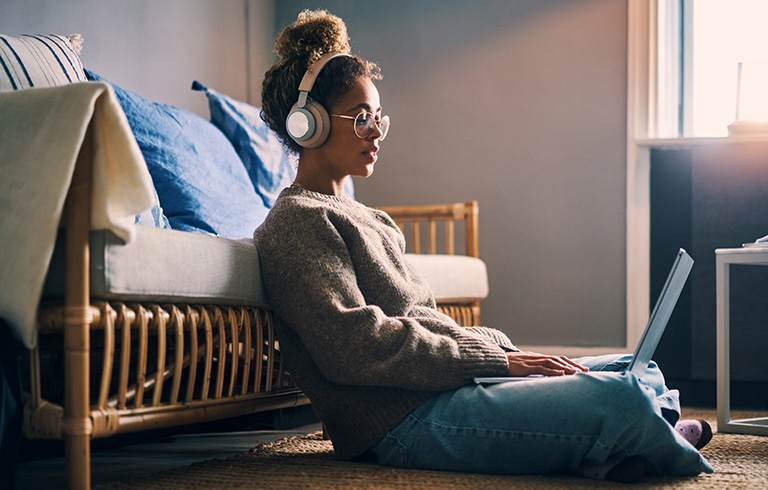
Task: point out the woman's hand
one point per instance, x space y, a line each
526 363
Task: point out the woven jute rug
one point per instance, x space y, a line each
740 462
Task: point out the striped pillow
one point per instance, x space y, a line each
39 61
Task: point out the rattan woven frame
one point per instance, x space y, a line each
150 362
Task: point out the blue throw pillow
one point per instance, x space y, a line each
199 178
269 166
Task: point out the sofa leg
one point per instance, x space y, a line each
77 425
78 461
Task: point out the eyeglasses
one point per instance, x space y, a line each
364 123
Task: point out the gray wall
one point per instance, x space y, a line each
518 104
522 106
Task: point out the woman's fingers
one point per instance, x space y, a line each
574 364
526 363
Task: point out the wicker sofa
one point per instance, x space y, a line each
170 327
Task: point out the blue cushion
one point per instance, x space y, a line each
201 183
269 166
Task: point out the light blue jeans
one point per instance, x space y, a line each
546 425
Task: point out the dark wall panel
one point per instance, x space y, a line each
709 197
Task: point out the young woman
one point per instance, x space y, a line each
388 373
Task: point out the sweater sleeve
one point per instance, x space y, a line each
311 274
499 337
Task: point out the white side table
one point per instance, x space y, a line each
724 257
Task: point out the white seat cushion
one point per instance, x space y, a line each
453 278
162 265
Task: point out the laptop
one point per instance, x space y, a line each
657 322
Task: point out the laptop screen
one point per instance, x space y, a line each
661 313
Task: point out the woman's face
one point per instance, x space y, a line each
344 153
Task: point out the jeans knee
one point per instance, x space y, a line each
623 394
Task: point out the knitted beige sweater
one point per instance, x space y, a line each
357 325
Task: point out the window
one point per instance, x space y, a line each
701 47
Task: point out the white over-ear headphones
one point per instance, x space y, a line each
308 123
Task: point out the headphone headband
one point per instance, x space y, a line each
308 80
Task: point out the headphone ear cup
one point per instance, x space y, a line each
322 125
309 125
300 124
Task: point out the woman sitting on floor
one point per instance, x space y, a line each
388 373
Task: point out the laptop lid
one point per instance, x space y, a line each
659 318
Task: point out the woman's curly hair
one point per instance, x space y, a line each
298 45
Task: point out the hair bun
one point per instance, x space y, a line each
314 33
